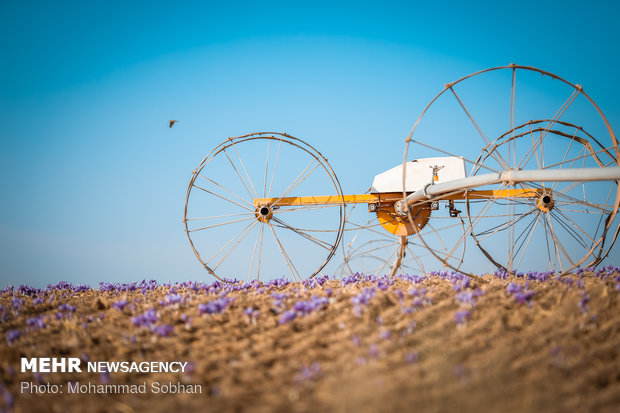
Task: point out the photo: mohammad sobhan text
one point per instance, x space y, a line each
76 387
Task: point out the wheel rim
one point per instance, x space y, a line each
518 95
234 238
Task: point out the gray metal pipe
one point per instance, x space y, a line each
511 178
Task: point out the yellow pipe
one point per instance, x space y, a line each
391 197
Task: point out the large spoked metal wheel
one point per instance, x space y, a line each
241 214
369 249
486 118
375 246
553 226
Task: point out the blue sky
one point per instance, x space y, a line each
93 180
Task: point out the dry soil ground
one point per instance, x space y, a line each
442 342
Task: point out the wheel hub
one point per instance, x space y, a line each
545 202
263 213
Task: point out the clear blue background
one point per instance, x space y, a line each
93 181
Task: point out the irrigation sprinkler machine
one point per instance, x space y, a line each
513 164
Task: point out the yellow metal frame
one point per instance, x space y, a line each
391 197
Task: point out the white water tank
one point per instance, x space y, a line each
419 174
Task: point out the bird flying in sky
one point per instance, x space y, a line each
172 122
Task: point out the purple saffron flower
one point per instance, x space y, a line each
68 308
364 297
513 288
216 306
524 297
466 297
287 316
174 298
164 330
385 335
306 373
374 351
36 322
412 357
12 335
17 303
461 316
120 304
104 377
145 319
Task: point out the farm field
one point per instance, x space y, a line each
533 342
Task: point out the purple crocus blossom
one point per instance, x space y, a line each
461 316
174 298
374 351
385 335
36 322
524 297
68 308
287 316
120 304
308 373
145 319
163 330
412 357
216 306
12 335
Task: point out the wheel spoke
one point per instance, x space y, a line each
315 240
553 121
222 197
590 154
570 230
260 250
300 178
289 263
501 227
266 168
511 125
479 165
219 225
254 251
532 229
561 112
242 214
227 190
239 235
558 245
551 263
275 165
245 170
499 158
553 187
245 185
